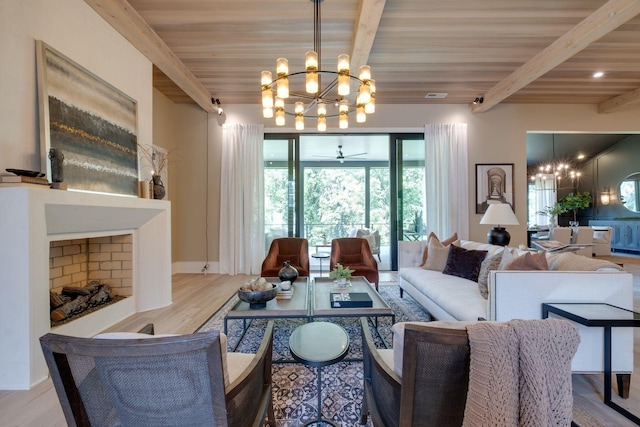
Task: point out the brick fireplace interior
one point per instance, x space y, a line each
108 259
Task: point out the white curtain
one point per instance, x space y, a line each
545 196
242 199
446 176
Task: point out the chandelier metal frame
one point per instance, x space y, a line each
275 91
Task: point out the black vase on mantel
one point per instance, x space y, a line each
158 188
288 272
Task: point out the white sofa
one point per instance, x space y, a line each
519 295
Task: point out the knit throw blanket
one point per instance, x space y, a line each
520 373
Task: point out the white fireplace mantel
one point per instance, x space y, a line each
30 218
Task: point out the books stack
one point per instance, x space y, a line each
21 180
350 300
285 294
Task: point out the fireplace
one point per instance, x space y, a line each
30 220
87 274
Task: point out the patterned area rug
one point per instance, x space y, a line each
294 384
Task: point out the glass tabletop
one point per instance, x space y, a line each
319 343
596 314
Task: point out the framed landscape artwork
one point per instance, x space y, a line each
91 123
494 184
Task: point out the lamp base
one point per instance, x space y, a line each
498 236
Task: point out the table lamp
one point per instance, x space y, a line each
499 214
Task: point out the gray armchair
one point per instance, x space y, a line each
169 380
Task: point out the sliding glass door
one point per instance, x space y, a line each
322 187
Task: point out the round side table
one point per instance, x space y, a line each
320 256
319 344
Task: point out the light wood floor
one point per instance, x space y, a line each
196 297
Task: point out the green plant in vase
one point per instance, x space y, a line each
573 202
340 274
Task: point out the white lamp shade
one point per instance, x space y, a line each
499 214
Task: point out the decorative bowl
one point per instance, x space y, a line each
258 299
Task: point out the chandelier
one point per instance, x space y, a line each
563 171
317 102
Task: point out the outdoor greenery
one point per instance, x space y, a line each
334 200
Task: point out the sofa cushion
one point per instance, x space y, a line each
438 254
456 296
489 263
347 260
445 242
527 262
571 262
464 262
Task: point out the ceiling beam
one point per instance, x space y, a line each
620 102
601 22
369 14
121 16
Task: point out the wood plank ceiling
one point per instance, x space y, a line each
511 51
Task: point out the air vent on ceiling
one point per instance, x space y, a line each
435 95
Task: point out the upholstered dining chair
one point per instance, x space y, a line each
355 253
292 249
166 380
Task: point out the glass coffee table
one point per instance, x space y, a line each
321 303
296 307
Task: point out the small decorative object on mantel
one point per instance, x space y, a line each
158 187
340 274
23 178
288 272
158 159
57 169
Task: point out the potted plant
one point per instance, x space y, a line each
573 202
340 274
553 211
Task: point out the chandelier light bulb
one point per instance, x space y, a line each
361 116
343 110
299 114
279 111
282 70
365 73
370 108
267 112
322 109
322 124
311 67
344 81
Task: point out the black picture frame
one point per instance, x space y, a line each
494 184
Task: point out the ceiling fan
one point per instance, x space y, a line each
341 157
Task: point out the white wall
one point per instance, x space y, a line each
75 30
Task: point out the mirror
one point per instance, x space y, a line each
630 192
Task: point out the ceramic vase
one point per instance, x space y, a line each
288 272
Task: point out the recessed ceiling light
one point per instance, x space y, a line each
598 74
